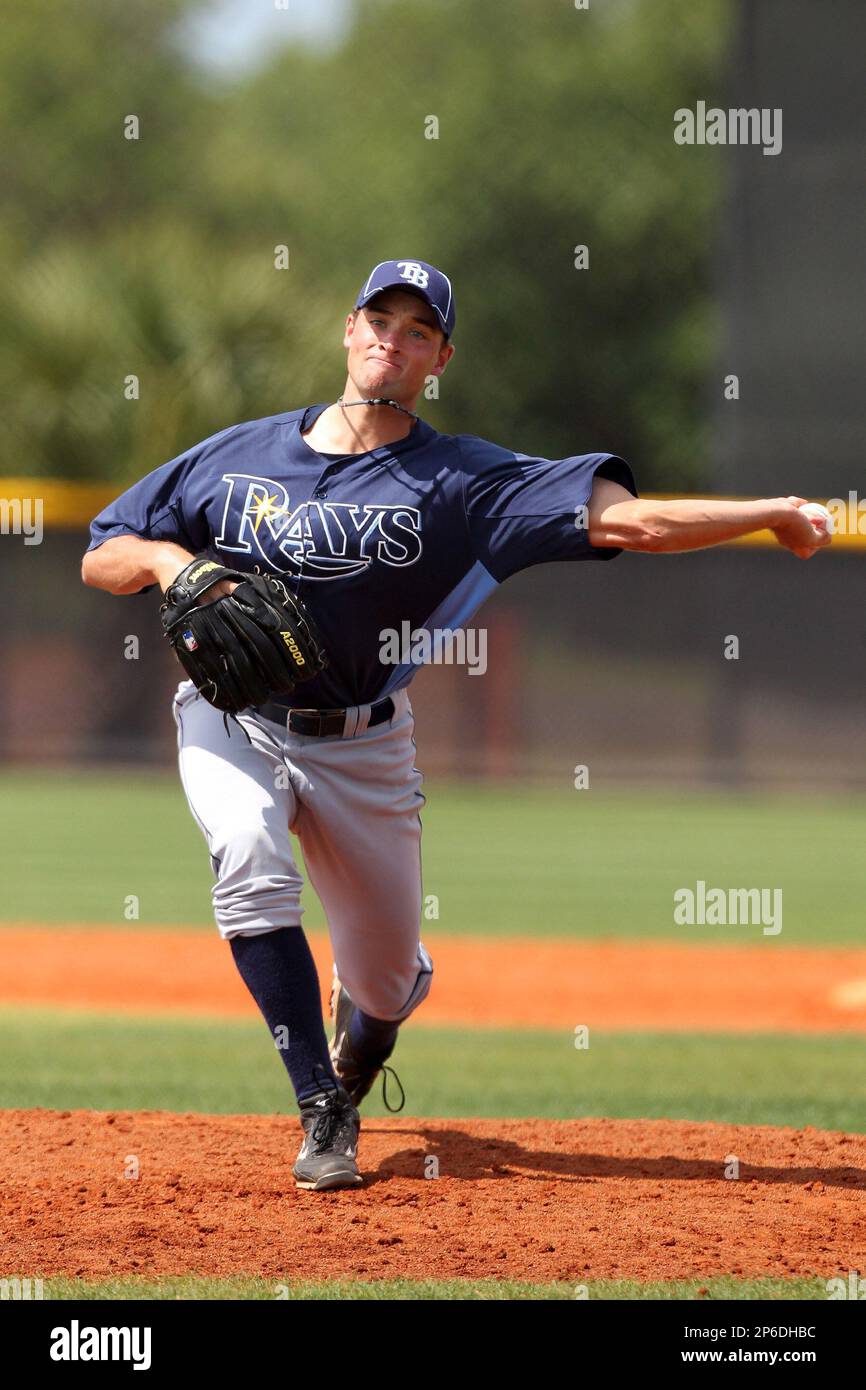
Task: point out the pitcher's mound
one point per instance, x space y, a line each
94 1194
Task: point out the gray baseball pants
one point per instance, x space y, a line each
353 802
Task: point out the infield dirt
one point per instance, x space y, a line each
568 1200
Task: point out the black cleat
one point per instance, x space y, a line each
355 1074
327 1156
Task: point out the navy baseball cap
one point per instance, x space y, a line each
416 277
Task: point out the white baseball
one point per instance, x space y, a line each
819 517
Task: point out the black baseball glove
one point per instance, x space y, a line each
243 647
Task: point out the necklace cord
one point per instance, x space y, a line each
377 400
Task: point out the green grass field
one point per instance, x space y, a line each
229 1067
502 861
435 1290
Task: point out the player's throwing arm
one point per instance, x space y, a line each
618 519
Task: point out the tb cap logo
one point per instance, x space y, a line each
418 277
415 273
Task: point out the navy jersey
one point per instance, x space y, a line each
417 532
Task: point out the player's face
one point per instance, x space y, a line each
394 344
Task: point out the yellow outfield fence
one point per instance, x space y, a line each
66 506
70 506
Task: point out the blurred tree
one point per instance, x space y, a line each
69 76
156 258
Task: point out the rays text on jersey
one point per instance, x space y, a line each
322 540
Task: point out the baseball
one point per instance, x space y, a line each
819 516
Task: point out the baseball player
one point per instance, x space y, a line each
370 518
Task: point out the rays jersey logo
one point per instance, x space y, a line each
322 540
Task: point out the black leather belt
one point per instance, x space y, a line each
320 722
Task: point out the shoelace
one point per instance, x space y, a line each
386 1071
323 1080
328 1124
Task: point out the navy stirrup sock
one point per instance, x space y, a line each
371 1038
278 969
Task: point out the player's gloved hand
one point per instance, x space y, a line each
219 590
796 532
244 645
